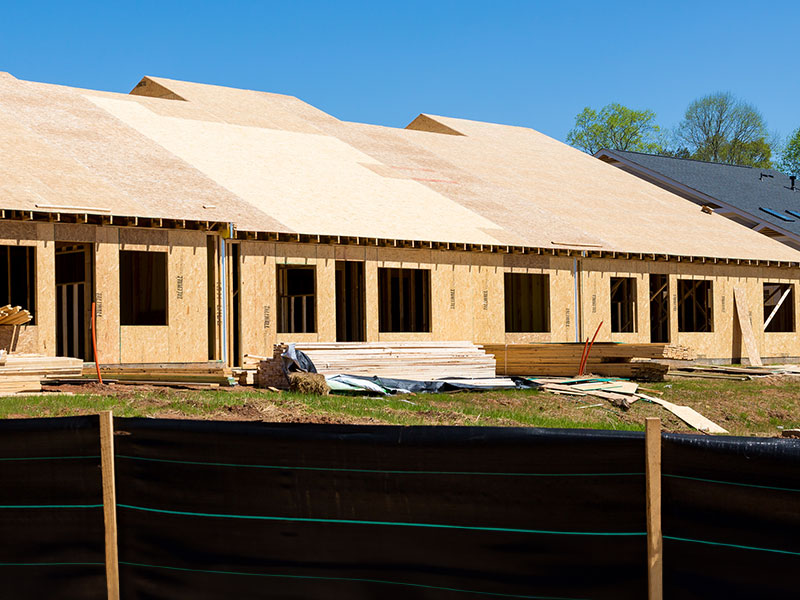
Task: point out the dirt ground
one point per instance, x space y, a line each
763 407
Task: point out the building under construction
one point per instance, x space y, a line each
207 222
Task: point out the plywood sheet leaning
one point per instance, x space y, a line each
749 338
688 415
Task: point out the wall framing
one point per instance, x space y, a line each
467 293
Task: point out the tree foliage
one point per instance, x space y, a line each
789 161
615 127
721 128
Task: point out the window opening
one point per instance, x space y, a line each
527 303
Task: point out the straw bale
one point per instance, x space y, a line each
309 383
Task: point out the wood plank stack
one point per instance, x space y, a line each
206 374
270 372
738 373
25 372
401 360
606 358
14 315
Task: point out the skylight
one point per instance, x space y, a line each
775 213
794 213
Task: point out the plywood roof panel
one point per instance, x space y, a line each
268 162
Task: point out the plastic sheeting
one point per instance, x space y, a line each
297 360
386 385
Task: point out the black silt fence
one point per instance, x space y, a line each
731 516
251 510
51 509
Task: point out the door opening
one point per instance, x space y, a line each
235 300
659 308
74 289
350 301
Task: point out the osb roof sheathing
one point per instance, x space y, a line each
272 163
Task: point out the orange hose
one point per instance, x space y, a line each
586 359
583 355
94 342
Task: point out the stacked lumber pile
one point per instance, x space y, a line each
401 360
607 359
200 375
270 372
14 315
25 372
738 373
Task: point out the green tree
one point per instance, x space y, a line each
721 128
615 127
789 161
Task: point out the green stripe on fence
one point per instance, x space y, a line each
387 523
53 564
751 485
737 546
392 472
13 458
346 579
51 506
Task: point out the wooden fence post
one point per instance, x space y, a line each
109 502
655 554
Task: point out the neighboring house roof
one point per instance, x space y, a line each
272 163
763 194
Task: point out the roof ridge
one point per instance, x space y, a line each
697 160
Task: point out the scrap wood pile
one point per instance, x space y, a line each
26 372
200 375
401 360
607 359
623 394
14 315
737 373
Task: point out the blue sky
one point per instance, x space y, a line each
535 64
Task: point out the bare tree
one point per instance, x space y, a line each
721 128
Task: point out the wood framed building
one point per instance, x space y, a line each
209 222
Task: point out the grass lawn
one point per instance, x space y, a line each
757 407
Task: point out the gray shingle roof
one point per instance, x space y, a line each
747 188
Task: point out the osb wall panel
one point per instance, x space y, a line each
371 294
107 295
13 233
723 342
562 300
596 275
75 232
147 344
326 293
153 240
258 293
467 296
45 334
488 303
187 297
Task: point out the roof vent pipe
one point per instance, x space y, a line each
792 179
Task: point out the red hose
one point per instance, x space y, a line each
583 355
94 343
586 358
